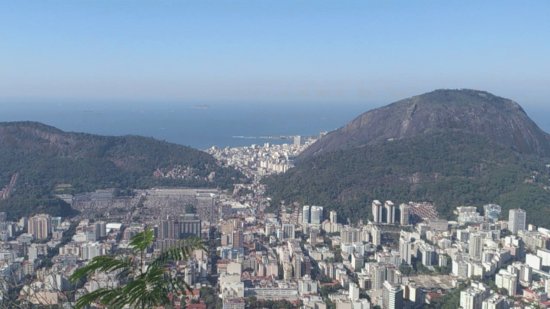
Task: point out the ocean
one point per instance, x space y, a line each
199 126
203 125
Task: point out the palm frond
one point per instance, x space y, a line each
102 264
102 296
178 285
179 252
143 240
149 289
143 287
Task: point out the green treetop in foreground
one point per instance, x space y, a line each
142 286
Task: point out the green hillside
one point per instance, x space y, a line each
450 168
44 157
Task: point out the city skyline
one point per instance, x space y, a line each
274 154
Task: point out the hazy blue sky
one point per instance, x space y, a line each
271 51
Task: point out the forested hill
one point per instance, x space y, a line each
42 161
450 163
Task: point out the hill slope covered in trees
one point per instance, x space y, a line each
47 161
465 161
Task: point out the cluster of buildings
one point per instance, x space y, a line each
404 256
494 263
25 245
39 254
390 214
47 251
257 161
307 257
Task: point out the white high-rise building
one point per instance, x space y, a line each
406 249
377 211
349 235
40 226
475 246
297 265
306 213
507 280
100 228
404 214
460 268
516 220
91 250
390 212
526 274
297 141
376 236
471 298
427 254
378 276
288 231
533 261
316 214
392 296
333 216
353 291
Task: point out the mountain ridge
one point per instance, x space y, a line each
43 157
471 111
449 147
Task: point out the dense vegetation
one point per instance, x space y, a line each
50 161
449 168
450 300
211 298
